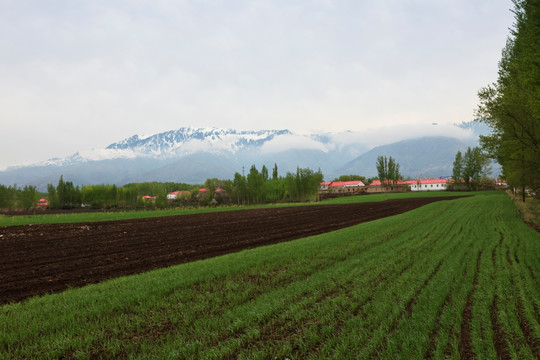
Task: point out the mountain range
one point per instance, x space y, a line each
192 155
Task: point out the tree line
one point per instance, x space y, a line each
258 187
105 196
511 106
65 195
13 197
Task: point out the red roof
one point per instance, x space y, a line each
43 202
217 190
378 183
413 182
348 183
342 183
427 181
179 192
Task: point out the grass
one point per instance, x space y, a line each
454 279
125 215
529 210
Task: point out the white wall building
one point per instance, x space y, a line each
428 185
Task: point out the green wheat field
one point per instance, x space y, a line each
450 280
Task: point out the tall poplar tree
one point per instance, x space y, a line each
457 172
511 105
388 170
275 172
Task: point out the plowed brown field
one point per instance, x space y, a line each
42 259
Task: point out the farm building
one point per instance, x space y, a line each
43 203
377 187
176 194
500 184
427 184
342 187
409 185
218 191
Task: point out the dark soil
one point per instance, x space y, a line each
39 259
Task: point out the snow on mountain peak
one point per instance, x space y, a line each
188 140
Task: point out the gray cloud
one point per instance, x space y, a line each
77 75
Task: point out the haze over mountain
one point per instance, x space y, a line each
192 155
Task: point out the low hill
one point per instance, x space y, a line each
427 156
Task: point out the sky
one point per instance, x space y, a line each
77 75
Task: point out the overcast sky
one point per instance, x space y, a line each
76 75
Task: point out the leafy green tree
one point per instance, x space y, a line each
53 197
457 172
69 196
275 174
255 183
393 171
211 185
28 197
240 186
275 190
304 185
291 187
388 170
473 162
8 195
511 105
227 197
264 173
382 168
161 201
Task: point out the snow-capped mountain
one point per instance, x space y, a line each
192 155
188 140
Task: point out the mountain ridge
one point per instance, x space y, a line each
192 155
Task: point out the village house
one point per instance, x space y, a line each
218 191
432 184
428 184
377 187
176 194
409 185
339 187
43 203
500 184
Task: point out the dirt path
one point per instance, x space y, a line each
43 259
